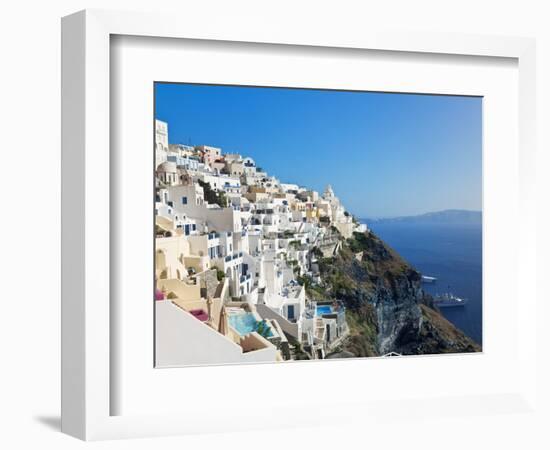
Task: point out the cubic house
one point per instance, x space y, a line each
235 250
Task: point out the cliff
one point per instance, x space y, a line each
386 308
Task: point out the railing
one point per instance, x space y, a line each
234 256
244 278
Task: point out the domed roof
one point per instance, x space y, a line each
167 167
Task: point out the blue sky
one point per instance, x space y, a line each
384 154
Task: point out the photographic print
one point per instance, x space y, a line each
307 224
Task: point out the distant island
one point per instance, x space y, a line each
448 216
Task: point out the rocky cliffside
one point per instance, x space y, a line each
386 308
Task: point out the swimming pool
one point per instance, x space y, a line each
324 309
246 323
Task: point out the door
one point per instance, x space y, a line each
290 312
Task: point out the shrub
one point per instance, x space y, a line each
220 275
294 244
262 328
212 196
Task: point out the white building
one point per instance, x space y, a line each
161 142
167 173
209 154
261 242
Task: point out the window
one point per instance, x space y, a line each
184 200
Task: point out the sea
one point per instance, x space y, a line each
452 253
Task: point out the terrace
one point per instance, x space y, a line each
249 327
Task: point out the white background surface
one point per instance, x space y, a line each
29 326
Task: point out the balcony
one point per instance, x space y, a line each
233 257
245 278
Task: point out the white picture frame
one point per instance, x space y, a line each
87 326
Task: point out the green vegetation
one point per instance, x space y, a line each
295 244
316 251
313 290
378 256
299 352
171 295
305 280
362 266
220 275
212 196
358 242
288 234
363 331
262 328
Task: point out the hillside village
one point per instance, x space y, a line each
235 249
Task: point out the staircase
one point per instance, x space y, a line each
319 329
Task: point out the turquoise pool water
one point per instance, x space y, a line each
324 309
246 323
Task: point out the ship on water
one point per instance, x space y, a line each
448 300
428 279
